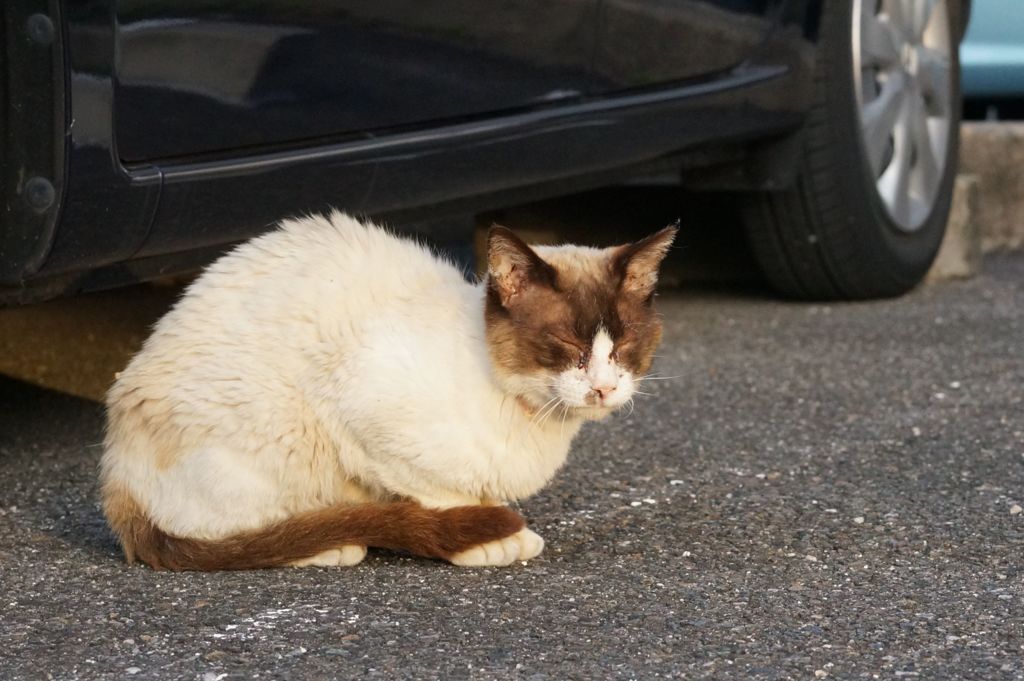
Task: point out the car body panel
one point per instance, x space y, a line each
32 176
992 54
225 75
120 218
204 204
649 42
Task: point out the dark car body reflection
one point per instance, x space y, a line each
186 126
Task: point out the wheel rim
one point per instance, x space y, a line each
902 69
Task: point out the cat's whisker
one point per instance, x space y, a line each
554 402
641 392
565 414
657 378
551 411
547 415
547 403
540 411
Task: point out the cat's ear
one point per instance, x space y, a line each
637 263
513 266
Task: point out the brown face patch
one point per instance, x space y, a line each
550 322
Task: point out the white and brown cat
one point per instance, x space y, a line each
330 386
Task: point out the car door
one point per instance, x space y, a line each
218 76
650 42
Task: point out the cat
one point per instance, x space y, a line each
330 386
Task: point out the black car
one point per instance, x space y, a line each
139 137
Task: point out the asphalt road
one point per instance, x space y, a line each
820 492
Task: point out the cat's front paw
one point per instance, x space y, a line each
523 545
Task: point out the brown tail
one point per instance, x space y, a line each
403 526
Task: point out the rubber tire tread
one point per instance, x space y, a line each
829 237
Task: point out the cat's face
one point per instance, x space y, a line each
570 328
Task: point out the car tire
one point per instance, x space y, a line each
843 231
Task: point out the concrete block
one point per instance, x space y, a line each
995 153
960 254
77 345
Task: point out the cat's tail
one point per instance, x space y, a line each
403 526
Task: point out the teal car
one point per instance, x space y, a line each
992 55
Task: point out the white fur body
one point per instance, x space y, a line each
326 362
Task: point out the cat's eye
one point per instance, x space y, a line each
623 346
584 354
565 341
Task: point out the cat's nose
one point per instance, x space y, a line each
603 391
